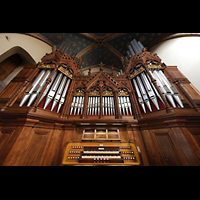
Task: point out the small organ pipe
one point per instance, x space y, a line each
126 105
72 105
113 105
88 108
98 105
108 106
120 106
76 105
82 104
129 105
79 105
103 100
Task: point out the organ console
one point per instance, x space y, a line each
111 154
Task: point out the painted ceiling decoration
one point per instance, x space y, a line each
107 48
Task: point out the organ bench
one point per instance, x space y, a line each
101 153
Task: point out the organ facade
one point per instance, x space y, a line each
53 114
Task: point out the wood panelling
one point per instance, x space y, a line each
167 150
8 66
170 147
183 148
8 140
153 157
190 90
35 146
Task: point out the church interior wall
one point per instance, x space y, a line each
36 48
183 52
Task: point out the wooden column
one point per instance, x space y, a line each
68 100
83 116
117 111
101 102
133 99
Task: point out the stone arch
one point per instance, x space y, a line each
26 57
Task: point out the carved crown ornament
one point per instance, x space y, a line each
62 60
140 60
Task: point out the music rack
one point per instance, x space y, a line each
101 134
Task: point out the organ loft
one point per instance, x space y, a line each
52 113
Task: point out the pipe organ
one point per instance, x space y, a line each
56 115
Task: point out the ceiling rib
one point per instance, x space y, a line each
113 50
87 50
100 41
89 35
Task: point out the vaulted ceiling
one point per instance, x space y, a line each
108 48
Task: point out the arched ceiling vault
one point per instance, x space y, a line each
108 48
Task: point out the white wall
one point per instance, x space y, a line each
34 47
183 52
30 49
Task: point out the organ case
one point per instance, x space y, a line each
147 99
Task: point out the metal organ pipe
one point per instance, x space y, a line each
143 92
172 89
58 93
150 91
39 87
140 45
164 88
63 95
32 87
131 50
47 88
158 95
145 89
124 104
129 105
53 90
140 99
72 105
